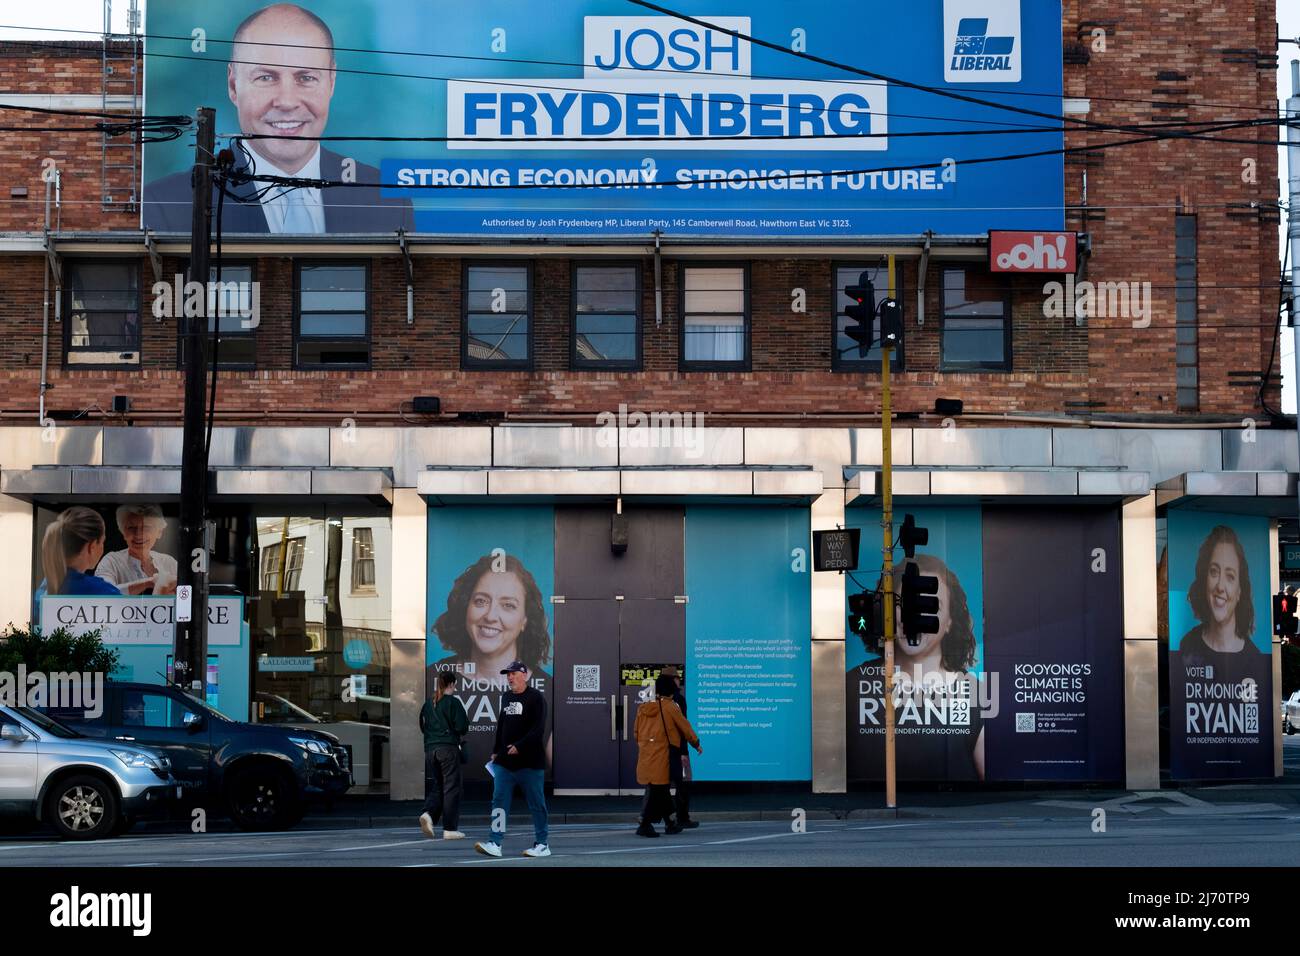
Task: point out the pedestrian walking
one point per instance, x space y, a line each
444 723
679 761
660 725
519 757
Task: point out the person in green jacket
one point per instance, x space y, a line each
443 722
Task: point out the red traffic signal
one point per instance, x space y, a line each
1285 623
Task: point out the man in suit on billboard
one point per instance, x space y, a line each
281 79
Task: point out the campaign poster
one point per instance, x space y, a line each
104 550
940 694
491 573
1220 646
596 118
748 655
1054 644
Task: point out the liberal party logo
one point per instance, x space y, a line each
981 41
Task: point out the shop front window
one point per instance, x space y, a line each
320 628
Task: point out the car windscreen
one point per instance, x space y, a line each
47 724
205 707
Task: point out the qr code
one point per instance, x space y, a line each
586 678
1024 723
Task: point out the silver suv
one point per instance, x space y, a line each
84 788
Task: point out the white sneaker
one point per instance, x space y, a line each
488 849
452 835
426 826
538 849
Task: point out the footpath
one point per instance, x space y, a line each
1269 798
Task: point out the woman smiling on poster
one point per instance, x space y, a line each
937 666
495 614
1220 597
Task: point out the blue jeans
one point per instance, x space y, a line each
503 791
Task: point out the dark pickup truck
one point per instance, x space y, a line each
263 776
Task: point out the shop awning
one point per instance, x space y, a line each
59 484
575 484
1042 486
1270 493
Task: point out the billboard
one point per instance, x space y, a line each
598 120
1220 646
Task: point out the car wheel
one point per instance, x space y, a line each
82 808
262 798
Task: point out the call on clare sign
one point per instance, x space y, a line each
139 620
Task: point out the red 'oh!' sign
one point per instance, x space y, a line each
1033 251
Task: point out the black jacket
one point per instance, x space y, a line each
350 209
522 722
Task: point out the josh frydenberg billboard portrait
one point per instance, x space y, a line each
1220 653
684 128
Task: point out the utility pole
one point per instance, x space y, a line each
887 560
1293 208
190 652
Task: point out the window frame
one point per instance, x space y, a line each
742 365
945 365
620 365
372 588
298 337
870 366
294 548
66 319
469 364
251 334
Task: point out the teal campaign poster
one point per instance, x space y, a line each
939 698
491 575
1220 646
748 642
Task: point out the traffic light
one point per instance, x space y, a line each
910 537
891 324
1284 615
920 604
861 310
865 616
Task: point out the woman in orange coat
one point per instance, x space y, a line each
659 723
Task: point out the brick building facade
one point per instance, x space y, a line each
1069 498
1146 68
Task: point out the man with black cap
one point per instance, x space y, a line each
519 757
679 761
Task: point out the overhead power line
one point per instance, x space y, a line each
869 74
552 84
497 58
1067 150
